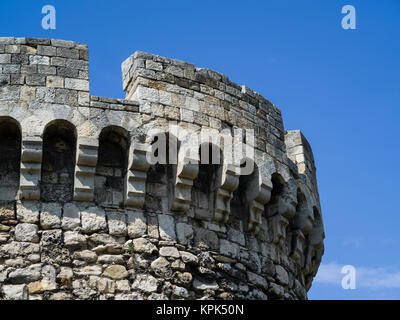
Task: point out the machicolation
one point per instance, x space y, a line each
84 214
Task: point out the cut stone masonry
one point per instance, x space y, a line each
84 215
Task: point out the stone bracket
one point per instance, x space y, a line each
31 162
278 225
137 175
85 169
256 207
298 242
226 186
283 212
187 170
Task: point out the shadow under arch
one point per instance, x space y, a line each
246 192
161 174
111 167
205 185
10 158
279 188
58 163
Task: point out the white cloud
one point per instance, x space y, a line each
355 242
366 277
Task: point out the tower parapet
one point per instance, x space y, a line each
85 214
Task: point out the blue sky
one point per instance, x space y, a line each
340 87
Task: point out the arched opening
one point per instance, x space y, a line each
239 216
160 176
10 158
316 237
58 163
315 248
277 192
205 184
111 167
304 218
299 226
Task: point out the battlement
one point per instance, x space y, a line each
84 214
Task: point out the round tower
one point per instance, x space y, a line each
188 188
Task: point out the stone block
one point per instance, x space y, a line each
50 215
117 223
7 211
137 226
71 217
16 292
27 232
93 220
77 84
166 226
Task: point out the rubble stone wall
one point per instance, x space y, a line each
84 215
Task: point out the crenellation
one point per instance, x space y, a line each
85 214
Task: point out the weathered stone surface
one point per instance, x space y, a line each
166 227
136 224
41 286
115 272
161 267
93 270
146 283
180 292
184 232
169 252
228 248
236 236
7 211
111 259
282 275
123 285
27 232
19 248
65 275
144 245
116 223
206 238
93 220
74 239
103 285
50 216
85 255
257 280
188 257
28 212
202 285
25 275
71 217
16 292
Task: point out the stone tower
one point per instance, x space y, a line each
84 214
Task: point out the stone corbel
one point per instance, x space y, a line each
283 212
258 194
278 225
228 183
304 219
298 242
315 248
137 175
185 172
31 162
85 169
311 265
